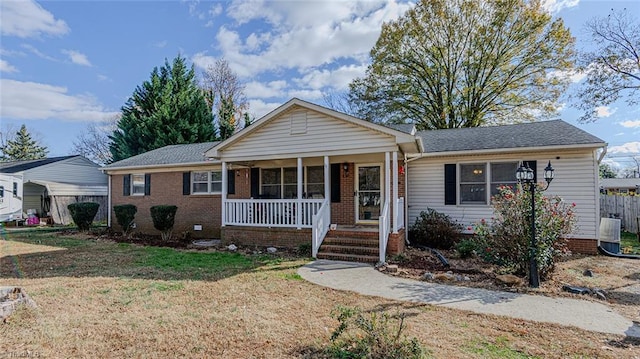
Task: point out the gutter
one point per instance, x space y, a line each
167 165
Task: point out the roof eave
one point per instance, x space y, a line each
510 150
169 165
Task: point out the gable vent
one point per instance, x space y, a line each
298 122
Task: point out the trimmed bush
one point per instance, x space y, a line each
125 214
163 217
83 214
434 229
466 248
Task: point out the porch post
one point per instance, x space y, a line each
395 192
299 204
387 179
223 209
327 187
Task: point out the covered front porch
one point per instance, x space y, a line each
300 200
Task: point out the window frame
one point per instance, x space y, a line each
132 191
488 183
284 184
210 181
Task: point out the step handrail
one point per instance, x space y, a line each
321 222
384 224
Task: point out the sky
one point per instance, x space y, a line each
67 64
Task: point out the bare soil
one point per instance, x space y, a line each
96 301
617 278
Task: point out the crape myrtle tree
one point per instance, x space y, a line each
613 67
466 63
169 108
22 147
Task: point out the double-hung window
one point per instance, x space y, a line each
283 182
137 184
477 182
206 182
503 174
473 183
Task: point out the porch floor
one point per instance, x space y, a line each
357 228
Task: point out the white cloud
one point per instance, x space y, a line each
259 108
7 67
103 78
604 111
630 124
629 147
573 76
77 57
37 101
28 19
203 61
37 52
256 89
160 44
215 10
554 6
304 35
338 79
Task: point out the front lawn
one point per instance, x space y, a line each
98 298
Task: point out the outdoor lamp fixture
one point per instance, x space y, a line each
525 175
345 169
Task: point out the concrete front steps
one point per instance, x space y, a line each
351 245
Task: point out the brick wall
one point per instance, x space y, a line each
396 243
266 237
343 212
584 246
166 188
243 184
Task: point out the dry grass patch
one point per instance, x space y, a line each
117 301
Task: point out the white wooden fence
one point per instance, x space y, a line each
626 208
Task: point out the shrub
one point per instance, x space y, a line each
163 217
507 240
466 248
305 249
125 213
83 214
434 229
371 336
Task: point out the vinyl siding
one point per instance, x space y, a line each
322 134
576 177
74 170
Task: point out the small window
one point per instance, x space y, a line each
1 191
137 184
473 183
503 174
206 182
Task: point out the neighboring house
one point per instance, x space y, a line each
46 186
303 169
627 186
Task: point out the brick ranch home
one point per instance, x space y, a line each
306 174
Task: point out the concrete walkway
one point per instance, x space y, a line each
364 279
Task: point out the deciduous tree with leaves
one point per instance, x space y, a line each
613 67
167 109
22 147
466 63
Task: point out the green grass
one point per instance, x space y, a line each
168 258
628 239
499 348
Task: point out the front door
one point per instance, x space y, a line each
368 193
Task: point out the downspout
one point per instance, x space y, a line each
406 200
109 204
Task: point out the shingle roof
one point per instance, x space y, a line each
19 166
172 154
533 134
402 127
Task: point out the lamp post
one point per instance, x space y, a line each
525 175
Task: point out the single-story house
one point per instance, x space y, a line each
624 186
308 175
43 188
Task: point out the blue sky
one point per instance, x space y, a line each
65 64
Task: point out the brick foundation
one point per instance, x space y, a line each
396 243
583 246
265 237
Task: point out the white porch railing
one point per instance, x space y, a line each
321 223
271 212
400 218
384 225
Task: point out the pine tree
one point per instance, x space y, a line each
22 148
167 109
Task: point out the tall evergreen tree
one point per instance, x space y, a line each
167 109
22 148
